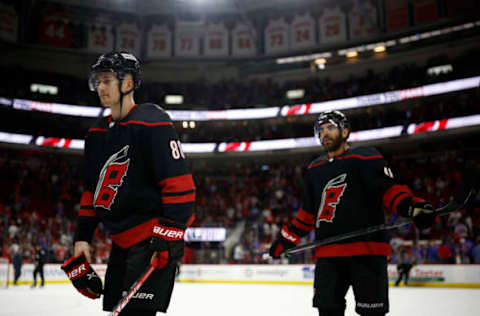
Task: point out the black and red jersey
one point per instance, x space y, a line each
347 193
135 173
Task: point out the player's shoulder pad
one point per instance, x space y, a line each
364 152
150 113
318 162
100 125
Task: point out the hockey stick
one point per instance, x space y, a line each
450 207
131 292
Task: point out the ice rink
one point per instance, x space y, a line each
237 300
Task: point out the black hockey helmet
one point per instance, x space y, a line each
337 118
119 63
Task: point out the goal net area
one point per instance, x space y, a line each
4 272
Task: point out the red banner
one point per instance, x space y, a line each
396 14
55 28
425 11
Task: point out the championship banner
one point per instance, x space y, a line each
425 11
243 43
124 6
100 38
187 39
55 28
302 32
332 26
216 40
8 23
159 42
457 7
128 38
276 36
396 14
363 20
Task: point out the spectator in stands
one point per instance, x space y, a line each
476 251
444 253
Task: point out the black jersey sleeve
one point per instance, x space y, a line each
165 155
304 221
87 219
379 179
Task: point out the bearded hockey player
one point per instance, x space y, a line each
347 190
138 185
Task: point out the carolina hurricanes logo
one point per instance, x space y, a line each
331 195
111 178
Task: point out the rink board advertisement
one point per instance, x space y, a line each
467 276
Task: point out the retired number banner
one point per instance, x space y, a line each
332 26
128 38
216 40
243 43
363 20
159 42
8 23
100 38
187 39
276 37
302 32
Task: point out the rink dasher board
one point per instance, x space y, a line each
432 275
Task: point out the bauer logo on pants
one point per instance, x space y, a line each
140 295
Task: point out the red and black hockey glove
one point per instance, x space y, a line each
168 242
286 240
83 277
422 212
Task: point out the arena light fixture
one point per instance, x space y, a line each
437 70
380 49
295 93
173 99
43 88
351 54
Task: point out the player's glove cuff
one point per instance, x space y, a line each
286 240
83 277
168 242
422 212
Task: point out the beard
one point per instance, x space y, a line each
334 143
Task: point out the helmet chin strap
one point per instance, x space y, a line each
121 96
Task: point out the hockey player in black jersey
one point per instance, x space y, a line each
138 185
347 190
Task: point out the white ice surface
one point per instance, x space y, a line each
197 299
